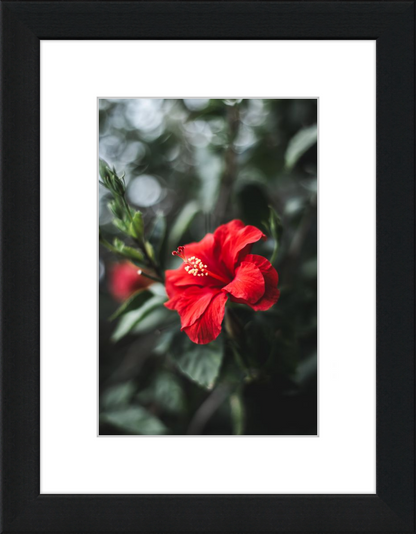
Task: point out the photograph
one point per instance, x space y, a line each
207 266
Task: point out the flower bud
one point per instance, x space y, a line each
118 186
110 180
125 280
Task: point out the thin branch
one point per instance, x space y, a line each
110 247
230 172
298 241
147 275
207 409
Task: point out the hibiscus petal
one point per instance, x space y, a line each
225 230
203 249
208 326
191 303
271 279
234 237
248 283
177 279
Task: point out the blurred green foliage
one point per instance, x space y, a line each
189 166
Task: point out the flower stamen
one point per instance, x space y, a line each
195 266
180 252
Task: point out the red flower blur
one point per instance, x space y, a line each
218 267
125 280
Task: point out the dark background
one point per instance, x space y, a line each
191 165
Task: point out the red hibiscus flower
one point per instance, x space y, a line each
125 280
218 267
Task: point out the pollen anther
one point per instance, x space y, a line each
195 267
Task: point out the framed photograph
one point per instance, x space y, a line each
207 266
209 173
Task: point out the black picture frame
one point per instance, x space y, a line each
23 25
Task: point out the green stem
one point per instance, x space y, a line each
147 275
127 207
141 245
140 242
237 413
110 247
151 262
235 332
230 171
275 251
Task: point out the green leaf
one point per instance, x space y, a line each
118 244
154 320
181 224
306 370
158 289
164 342
158 234
166 391
121 225
299 144
118 395
134 420
128 252
110 180
276 229
134 302
116 209
132 318
137 226
200 363
104 169
133 254
150 250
